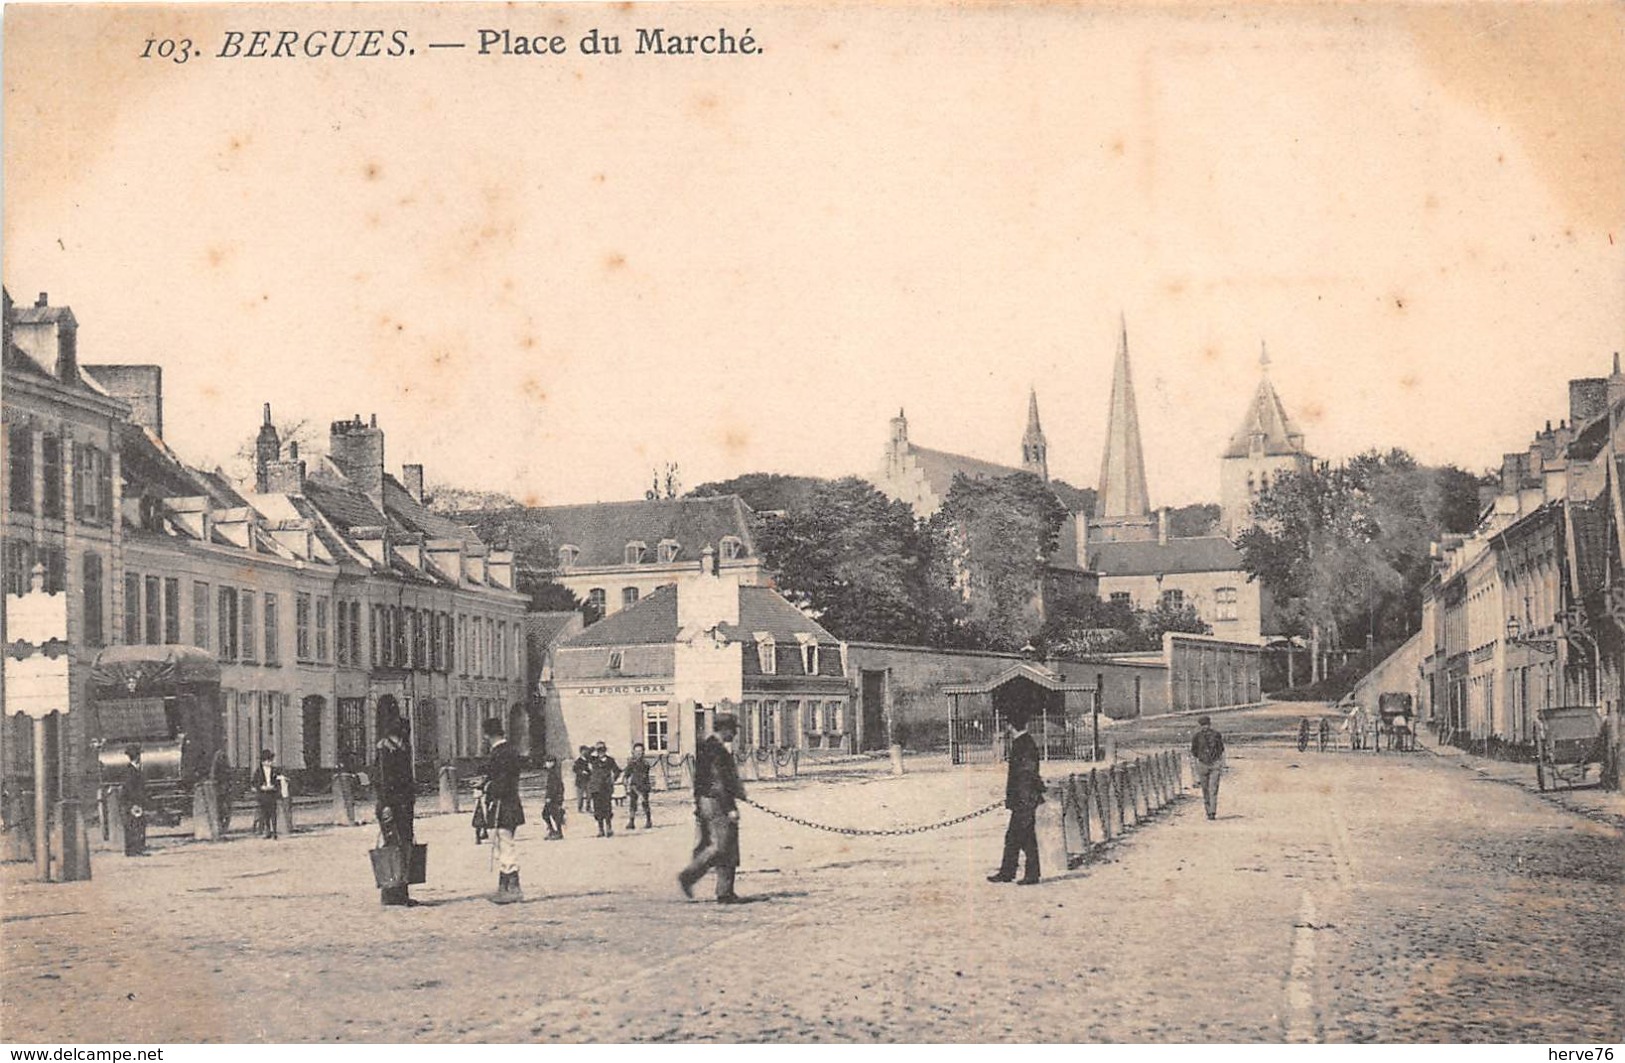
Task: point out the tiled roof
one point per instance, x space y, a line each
412 514
940 467
1210 553
544 628
342 503
653 620
149 467
601 530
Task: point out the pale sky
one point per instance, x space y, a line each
549 275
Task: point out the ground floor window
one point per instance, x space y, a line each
833 717
656 727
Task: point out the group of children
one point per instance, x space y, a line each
595 774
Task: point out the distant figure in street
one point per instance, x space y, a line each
553 798
583 772
637 787
267 789
396 793
133 792
601 788
1207 761
716 789
506 813
1023 793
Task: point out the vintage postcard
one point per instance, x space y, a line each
813 522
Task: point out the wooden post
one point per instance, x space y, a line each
112 812
42 809
206 811
448 789
1120 795
72 844
1052 848
1078 838
344 799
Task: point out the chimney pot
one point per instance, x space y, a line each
268 413
293 451
374 422
43 300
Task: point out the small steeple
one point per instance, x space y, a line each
267 449
1034 449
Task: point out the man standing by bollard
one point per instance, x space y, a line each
1207 761
397 794
1023 793
506 813
637 788
267 789
716 789
133 794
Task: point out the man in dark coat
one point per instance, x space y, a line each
637 788
396 792
133 792
1023 793
716 790
267 792
553 798
1207 763
506 813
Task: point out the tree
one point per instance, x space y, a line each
764 492
449 501
855 559
535 554
1343 550
663 487
996 537
1192 521
1084 626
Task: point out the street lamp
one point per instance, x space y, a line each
1514 638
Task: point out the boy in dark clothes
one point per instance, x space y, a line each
601 787
637 787
583 771
553 801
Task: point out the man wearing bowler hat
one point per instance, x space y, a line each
716 789
1023 793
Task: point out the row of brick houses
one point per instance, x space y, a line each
332 599
1528 611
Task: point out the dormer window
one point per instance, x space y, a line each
635 552
615 660
669 549
731 548
568 556
809 654
767 653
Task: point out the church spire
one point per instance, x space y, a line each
1122 469
1034 449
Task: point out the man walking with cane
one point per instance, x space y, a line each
716 789
1207 761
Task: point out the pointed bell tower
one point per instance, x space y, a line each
1123 508
1034 449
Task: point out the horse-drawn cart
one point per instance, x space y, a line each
1568 741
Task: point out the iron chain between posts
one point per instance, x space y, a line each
884 832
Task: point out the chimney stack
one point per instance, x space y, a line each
50 336
140 387
1588 400
357 449
412 478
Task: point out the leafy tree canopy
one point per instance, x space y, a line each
762 491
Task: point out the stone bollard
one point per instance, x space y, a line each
1052 851
344 799
70 844
284 815
1109 748
112 813
448 789
1097 796
19 831
1075 815
206 811
897 760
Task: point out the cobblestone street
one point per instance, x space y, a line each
1338 897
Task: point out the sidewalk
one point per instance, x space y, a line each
1592 801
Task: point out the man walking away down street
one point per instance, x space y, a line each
396 793
133 792
506 813
582 768
553 800
601 788
267 789
1207 761
716 789
1023 793
637 788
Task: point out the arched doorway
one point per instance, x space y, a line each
311 712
